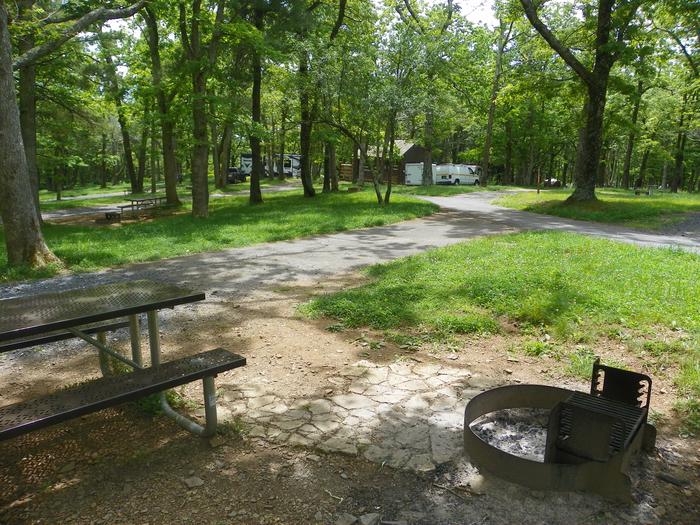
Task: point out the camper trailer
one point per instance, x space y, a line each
414 174
291 164
457 174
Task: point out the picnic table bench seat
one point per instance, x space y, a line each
85 398
60 335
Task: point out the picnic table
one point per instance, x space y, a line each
33 320
135 205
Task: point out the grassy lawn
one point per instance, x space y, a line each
90 189
613 206
232 223
578 289
49 202
438 190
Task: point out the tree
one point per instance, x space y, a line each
612 24
23 237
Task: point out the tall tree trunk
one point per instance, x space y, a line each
256 172
428 145
590 145
355 163
362 146
631 136
225 151
103 162
24 241
509 153
117 97
392 137
27 104
166 122
332 164
327 167
201 58
153 158
282 143
306 124
679 150
214 130
503 37
143 145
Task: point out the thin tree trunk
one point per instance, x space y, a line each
103 162
24 241
676 179
332 164
214 130
166 123
508 152
428 145
27 105
143 145
362 146
631 136
225 151
306 124
256 172
504 35
153 159
327 168
392 133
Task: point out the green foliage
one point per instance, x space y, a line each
616 207
538 348
581 363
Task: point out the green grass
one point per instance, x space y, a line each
232 223
89 189
551 279
613 206
439 190
575 287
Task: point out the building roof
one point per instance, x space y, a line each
400 148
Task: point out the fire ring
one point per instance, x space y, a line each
605 478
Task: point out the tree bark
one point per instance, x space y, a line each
428 145
306 124
679 150
116 93
27 104
166 122
256 172
143 145
332 163
327 167
596 81
504 35
24 241
631 136
200 58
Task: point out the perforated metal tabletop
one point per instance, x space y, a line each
38 314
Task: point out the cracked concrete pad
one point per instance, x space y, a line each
343 446
353 401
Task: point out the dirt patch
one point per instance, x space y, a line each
123 466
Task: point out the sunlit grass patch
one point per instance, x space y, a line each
616 207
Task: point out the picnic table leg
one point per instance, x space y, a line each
135 336
209 388
103 356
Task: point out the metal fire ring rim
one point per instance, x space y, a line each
589 476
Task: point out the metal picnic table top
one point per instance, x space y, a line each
38 314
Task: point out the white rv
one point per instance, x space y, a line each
457 174
291 163
414 174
